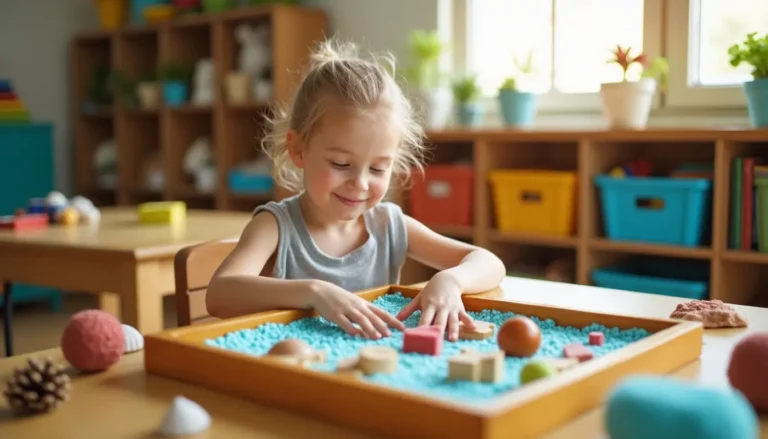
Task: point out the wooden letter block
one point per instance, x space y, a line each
471 365
427 340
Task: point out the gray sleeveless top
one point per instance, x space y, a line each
374 264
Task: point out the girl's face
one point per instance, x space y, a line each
347 164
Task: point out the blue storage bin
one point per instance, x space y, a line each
657 277
174 93
656 209
250 183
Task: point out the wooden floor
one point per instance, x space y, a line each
36 327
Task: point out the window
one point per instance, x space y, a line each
571 41
699 34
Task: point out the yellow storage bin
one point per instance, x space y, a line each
534 201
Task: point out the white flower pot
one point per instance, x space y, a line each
435 107
628 104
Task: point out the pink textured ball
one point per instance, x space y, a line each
93 340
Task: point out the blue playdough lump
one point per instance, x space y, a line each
419 373
643 407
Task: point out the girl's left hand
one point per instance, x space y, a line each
440 304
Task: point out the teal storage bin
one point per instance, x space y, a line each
137 9
26 171
687 279
675 211
249 183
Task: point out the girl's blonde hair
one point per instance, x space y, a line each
336 72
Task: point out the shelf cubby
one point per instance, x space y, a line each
138 141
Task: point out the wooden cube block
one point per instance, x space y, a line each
464 367
492 366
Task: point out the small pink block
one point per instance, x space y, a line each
577 350
596 338
427 340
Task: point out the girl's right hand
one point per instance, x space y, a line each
346 309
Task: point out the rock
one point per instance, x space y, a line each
643 407
713 313
748 369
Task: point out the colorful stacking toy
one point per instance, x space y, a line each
11 107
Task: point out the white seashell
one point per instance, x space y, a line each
134 341
91 215
184 417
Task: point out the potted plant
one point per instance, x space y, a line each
149 91
754 51
518 107
431 92
467 94
627 104
175 81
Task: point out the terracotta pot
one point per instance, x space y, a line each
238 88
149 94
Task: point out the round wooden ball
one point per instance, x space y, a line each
291 347
519 337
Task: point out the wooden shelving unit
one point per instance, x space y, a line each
736 276
166 133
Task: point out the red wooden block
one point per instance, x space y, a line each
596 338
427 340
577 350
24 222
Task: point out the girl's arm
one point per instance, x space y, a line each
236 287
473 269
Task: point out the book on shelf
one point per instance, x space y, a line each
744 212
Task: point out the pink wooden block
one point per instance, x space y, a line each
596 338
577 350
427 340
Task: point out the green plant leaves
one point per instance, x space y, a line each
753 51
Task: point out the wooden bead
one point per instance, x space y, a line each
519 337
471 365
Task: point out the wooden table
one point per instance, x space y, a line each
131 403
130 265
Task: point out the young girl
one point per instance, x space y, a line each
348 131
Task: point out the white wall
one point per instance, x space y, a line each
34 54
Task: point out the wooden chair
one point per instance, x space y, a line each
193 269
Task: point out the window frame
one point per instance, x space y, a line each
680 94
660 38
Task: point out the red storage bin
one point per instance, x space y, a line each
443 195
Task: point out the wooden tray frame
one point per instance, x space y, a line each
526 412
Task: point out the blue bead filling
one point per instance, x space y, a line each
424 374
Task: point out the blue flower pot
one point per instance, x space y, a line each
469 113
518 108
174 93
757 102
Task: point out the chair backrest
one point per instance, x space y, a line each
194 267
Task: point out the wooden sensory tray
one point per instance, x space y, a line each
525 412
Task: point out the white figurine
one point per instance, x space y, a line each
255 57
204 83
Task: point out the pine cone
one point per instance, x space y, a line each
39 387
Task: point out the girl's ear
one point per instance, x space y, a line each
295 148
